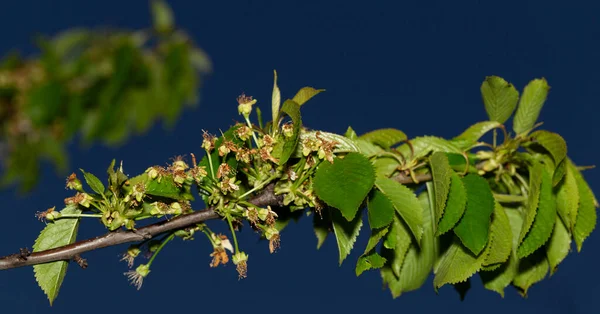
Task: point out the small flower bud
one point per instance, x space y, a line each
245 105
152 173
287 129
73 183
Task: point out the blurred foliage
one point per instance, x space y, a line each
102 84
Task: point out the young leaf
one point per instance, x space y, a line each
165 187
543 223
93 182
367 148
346 233
458 163
345 183
532 100
405 202
473 227
559 245
350 133
381 210
531 270
471 135
321 225
553 143
440 169
385 138
455 207
422 146
370 261
162 16
567 198
535 182
499 97
376 236
275 99
419 259
344 145
305 94
292 109
385 166
58 233
586 213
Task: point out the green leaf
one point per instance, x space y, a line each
292 109
419 259
473 227
376 236
543 223
367 261
345 183
559 245
559 172
455 208
471 135
344 144
501 238
350 133
499 97
58 233
422 146
586 213
456 265
535 183
399 237
371 261
567 198
93 182
367 148
165 187
532 100
440 169
305 94
498 279
381 210
321 225
275 99
346 233
553 143
162 16
531 270
458 163
385 138
385 166
405 202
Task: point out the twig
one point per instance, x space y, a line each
69 252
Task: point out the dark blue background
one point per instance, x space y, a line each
412 65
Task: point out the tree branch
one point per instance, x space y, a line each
68 252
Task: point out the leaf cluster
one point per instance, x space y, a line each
101 84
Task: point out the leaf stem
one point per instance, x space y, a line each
79 216
260 186
162 245
235 242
